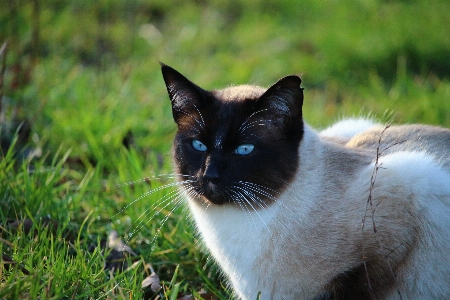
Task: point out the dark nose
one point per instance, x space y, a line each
212 178
211 173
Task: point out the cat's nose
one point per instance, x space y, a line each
211 174
214 180
212 177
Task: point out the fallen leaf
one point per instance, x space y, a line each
151 281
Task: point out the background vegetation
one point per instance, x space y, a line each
82 77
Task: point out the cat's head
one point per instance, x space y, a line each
239 144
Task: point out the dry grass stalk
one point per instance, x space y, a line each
370 206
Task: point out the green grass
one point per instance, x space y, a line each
95 78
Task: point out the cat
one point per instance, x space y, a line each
359 210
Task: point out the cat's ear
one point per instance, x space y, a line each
185 96
283 101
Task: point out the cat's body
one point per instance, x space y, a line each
359 211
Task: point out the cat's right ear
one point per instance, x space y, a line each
185 96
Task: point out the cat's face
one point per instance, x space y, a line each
236 145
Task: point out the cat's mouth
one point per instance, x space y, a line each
212 192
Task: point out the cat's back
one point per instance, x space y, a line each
431 140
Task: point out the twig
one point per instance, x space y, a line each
369 205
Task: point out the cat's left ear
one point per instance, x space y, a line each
186 97
283 101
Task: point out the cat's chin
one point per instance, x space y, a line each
213 196
215 200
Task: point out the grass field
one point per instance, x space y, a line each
85 77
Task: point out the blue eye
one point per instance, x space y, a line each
244 149
199 146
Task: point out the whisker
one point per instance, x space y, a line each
151 192
242 202
178 204
192 192
175 198
167 200
254 124
248 119
255 199
259 186
150 179
262 190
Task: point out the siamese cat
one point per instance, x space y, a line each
357 211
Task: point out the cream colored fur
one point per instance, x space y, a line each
314 232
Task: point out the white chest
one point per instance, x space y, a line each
237 238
